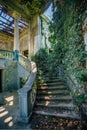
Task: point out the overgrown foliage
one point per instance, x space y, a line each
67 36
68 40
41 59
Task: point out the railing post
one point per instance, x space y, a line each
23 104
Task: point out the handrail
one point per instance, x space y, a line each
77 90
25 62
67 76
27 96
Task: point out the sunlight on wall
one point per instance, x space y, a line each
2 109
8 119
10 124
9 100
3 114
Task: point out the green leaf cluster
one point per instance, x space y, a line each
68 39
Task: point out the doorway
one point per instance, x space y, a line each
0 80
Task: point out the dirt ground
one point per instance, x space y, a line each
39 122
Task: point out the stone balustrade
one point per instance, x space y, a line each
25 62
27 96
5 54
13 55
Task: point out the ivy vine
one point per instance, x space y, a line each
67 35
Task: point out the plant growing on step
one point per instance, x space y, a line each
79 95
41 58
83 80
22 82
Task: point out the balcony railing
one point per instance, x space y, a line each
5 54
10 55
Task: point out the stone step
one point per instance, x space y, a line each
63 106
71 115
55 77
52 84
55 98
60 87
55 92
54 80
52 109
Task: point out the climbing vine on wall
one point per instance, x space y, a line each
69 48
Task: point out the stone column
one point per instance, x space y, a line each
29 42
16 38
39 33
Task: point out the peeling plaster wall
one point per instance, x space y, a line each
6 42
24 41
30 39
9 74
35 35
12 71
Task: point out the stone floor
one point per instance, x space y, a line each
9 112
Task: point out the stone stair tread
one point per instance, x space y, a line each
60 105
63 115
51 84
52 102
55 97
54 80
59 92
52 109
54 87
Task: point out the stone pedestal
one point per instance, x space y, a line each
24 107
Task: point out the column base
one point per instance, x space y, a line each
16 55
24 119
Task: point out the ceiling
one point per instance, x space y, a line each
26 9
7 22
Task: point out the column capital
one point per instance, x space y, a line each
16 15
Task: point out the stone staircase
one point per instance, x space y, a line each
54 99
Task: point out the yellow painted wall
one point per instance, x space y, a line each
6 42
